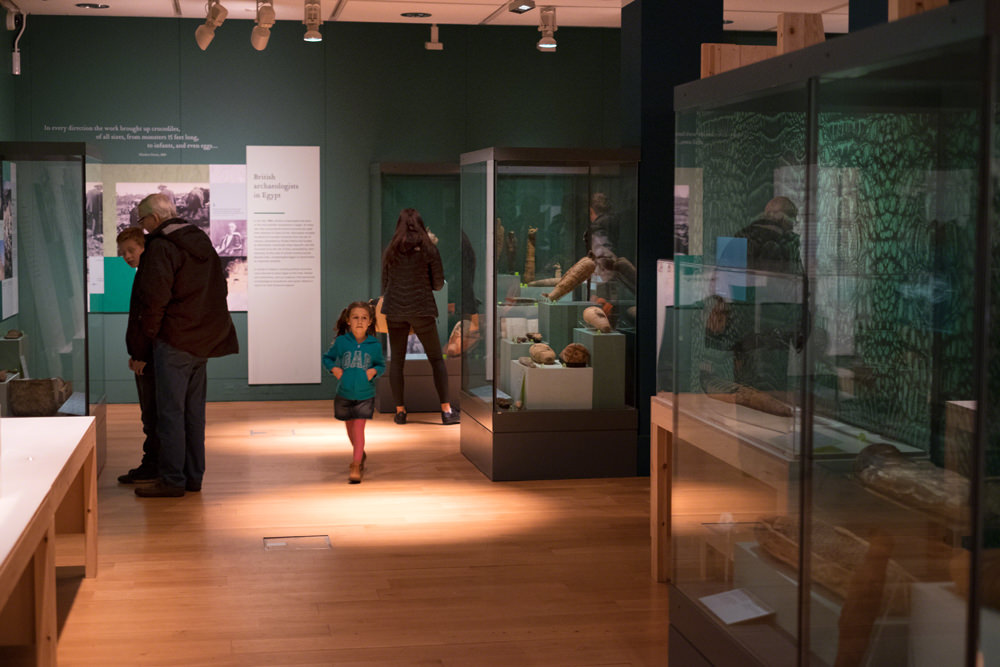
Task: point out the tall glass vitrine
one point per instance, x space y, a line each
831 353
549 312
433 190
46 331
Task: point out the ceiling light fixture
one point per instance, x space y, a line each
265 19
415 15
215 14
92 5
547 26
521 6
434 44
312 20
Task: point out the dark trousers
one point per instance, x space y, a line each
426 330
145 387
181 384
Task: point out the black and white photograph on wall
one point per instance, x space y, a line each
229 237
7 212
235 269
94 221
190 200
682 205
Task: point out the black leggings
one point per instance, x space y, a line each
426 330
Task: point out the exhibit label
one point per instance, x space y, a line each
283 234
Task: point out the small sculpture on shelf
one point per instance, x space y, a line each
509 255
529 259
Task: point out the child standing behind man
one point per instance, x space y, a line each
131 244
355 359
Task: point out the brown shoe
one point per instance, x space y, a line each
355 475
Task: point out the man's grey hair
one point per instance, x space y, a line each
158 204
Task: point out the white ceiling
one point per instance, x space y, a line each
758 15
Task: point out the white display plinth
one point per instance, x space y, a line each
553 387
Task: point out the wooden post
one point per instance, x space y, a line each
46 623
716 58
797 31
660 471
900 9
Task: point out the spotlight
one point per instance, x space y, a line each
215 14
265 19
312 20
521 6
547 26
434 44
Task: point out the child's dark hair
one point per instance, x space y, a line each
343 322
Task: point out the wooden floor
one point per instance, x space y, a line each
429 563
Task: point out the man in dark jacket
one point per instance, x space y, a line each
183 317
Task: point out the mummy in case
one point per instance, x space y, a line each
577 274
595 318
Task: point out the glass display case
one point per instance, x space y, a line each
548 308
44 344
825 351
433 190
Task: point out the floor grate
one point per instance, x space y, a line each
295 542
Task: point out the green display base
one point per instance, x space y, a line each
607 356
557 321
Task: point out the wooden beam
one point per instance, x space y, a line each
797 31
900 9
716 58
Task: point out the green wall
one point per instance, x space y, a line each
367 93
6 91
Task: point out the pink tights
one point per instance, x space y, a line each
356 434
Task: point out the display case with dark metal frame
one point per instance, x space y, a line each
830 341
548 234
48 223
432 188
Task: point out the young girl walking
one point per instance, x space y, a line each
355 359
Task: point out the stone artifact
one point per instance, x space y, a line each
541 353
547 282
576 275
921 484
529 258
836 554
534 337
741 394
464 336
596 319
626 272
37 398
503 402
13 333
527 361
544 282
575 355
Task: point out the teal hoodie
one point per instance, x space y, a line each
355 358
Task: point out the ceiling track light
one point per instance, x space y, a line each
265 20
312 21
434 44
521 6
215 14
547 26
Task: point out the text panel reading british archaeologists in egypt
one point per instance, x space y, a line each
283 216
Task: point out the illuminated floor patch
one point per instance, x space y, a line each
294 542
